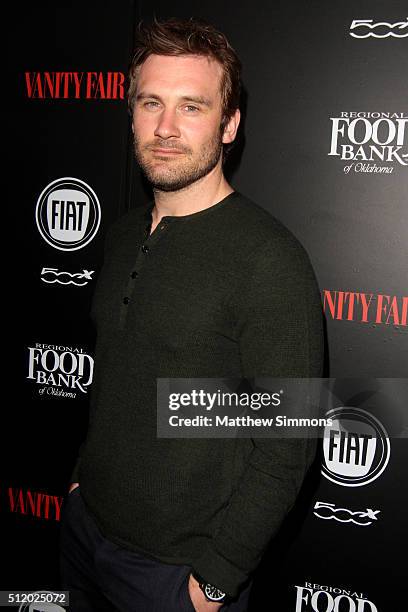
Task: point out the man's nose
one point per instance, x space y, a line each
167 126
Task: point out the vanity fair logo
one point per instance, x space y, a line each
329 512
356 447
361 307
368 28
56 368
370 142
33 503
75 85
322 598
68 214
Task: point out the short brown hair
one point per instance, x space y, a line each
188 37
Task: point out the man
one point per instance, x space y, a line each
202 282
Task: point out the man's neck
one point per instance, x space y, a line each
200 195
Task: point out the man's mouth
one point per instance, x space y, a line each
166 151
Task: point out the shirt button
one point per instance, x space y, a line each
163 226
126 300
134 274
145 249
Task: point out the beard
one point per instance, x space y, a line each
174 174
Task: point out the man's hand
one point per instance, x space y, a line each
198 598
73 486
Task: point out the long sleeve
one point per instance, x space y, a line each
279 325
75 472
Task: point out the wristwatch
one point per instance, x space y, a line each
211 592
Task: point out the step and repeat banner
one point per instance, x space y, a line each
323 146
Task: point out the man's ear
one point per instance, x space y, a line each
230 130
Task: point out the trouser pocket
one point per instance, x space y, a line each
185 600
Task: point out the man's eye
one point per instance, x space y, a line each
191 109
151 104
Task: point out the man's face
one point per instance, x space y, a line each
176 119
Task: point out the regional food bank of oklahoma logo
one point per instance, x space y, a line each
68 214
356 447
371 142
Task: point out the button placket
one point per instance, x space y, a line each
144 251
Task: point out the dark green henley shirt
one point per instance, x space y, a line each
224 292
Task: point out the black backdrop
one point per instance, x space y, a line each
304 66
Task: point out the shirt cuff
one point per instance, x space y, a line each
218 571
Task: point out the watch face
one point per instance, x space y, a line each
213 593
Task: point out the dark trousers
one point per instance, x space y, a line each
103 577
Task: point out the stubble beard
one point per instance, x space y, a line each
178 174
